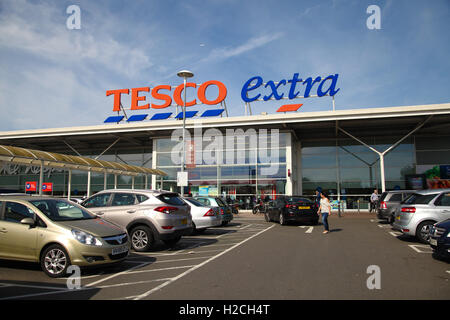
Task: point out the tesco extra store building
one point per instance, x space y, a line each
347 153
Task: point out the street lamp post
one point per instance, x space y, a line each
184 74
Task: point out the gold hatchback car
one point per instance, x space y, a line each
57 233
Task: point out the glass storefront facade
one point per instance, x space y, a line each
246 170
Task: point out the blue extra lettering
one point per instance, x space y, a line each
246 88
274 90
332 89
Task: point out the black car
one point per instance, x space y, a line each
440 238
287 209
389 201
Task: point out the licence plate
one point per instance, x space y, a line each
304 207
184 221
433 242
119 250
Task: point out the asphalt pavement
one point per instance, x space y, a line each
256 260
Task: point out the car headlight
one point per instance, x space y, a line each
86 238
448 235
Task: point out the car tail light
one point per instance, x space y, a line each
383 205
167 227
409 209
221 211
210 213
290 206
166 209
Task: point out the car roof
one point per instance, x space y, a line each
431 191
137 191
400 191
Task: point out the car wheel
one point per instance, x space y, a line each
282 221
422 232
142 238
55 261
224 223
172 242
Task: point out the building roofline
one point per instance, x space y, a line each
253 120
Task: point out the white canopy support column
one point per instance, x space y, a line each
105 181
89 184
146 182
115 181
41 178
132 182
69 185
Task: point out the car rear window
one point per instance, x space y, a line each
196 203
141 198
220 202
420 198
298 200
383 196
397 197
171 198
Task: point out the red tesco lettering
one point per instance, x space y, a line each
156 94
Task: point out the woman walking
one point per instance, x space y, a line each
325 209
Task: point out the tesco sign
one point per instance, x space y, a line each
164 94
254 89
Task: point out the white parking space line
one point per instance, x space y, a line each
160 269
395 233
420 248
122 284
146 294
176 260
384 226
310 229
117 274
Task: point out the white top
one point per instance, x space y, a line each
325 205
374 197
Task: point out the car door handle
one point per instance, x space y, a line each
131 211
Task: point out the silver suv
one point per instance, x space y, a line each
148 215
420 211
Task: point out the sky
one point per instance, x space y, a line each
52 76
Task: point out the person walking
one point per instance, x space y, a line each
317 198
374 201
325 210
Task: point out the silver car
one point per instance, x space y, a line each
148 215
420 211
203 216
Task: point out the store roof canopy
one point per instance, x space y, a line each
57 160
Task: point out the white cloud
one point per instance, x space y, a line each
29 27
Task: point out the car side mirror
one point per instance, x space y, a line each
28 221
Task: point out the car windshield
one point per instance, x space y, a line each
420 198
195 203
61 210
298 200
171 198
220 202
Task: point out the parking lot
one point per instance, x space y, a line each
254 259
